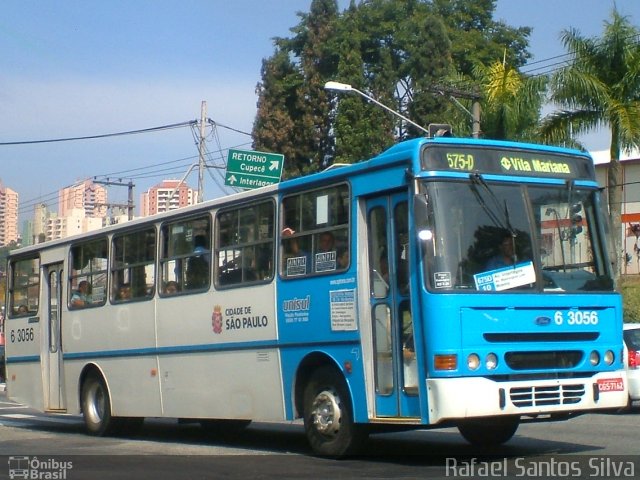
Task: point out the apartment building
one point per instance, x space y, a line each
86 195
8 215
167 195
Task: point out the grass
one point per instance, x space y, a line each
630 288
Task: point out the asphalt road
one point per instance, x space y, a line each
590 446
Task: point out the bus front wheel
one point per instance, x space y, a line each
491 431
96 406
328 418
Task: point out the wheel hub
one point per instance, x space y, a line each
326 413
96 404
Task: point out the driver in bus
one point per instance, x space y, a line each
505 257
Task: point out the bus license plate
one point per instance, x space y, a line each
610 385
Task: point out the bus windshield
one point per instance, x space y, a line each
506 237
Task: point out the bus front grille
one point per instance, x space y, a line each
543 360
538 396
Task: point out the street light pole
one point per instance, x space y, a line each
343 87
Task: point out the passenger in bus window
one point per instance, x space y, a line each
198 265
171 288
343 259
326 255
124 292
22 309
297 260
327 242
81 297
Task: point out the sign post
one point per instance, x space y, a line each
251 169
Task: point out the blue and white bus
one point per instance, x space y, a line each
445 282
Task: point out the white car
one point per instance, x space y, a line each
631 336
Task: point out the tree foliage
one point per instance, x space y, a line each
600 87
395 51
511 102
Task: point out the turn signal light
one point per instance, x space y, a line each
445 362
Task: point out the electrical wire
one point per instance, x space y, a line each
105 135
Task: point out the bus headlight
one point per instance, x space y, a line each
491 362
473 361
594 358
609 357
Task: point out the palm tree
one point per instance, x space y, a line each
511 102
600 88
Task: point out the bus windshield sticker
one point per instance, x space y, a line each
442 279
343 310
325 261
296 266
506 277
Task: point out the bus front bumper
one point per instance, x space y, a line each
458 398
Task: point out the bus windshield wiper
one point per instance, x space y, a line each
504 223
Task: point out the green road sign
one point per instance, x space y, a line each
249 169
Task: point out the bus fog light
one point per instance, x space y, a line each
609 357
473 361
594 358
491 362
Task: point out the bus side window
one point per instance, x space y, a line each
133 265
244 244
24 286
315 232
89 264
185 255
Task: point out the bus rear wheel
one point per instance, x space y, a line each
490 431
328 418
96 406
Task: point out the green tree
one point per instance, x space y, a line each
511 102
477 39
601 87
405 51
360 128
277 117
393 50
298 70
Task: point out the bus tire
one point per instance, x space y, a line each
490 431
328 417
96 406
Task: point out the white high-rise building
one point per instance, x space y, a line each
8 215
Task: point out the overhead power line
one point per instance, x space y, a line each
106 135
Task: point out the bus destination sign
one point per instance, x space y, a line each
465 158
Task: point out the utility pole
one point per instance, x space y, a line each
453 94
201 165
129 205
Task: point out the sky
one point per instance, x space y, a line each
74 68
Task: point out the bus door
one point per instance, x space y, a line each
52 348
395 367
